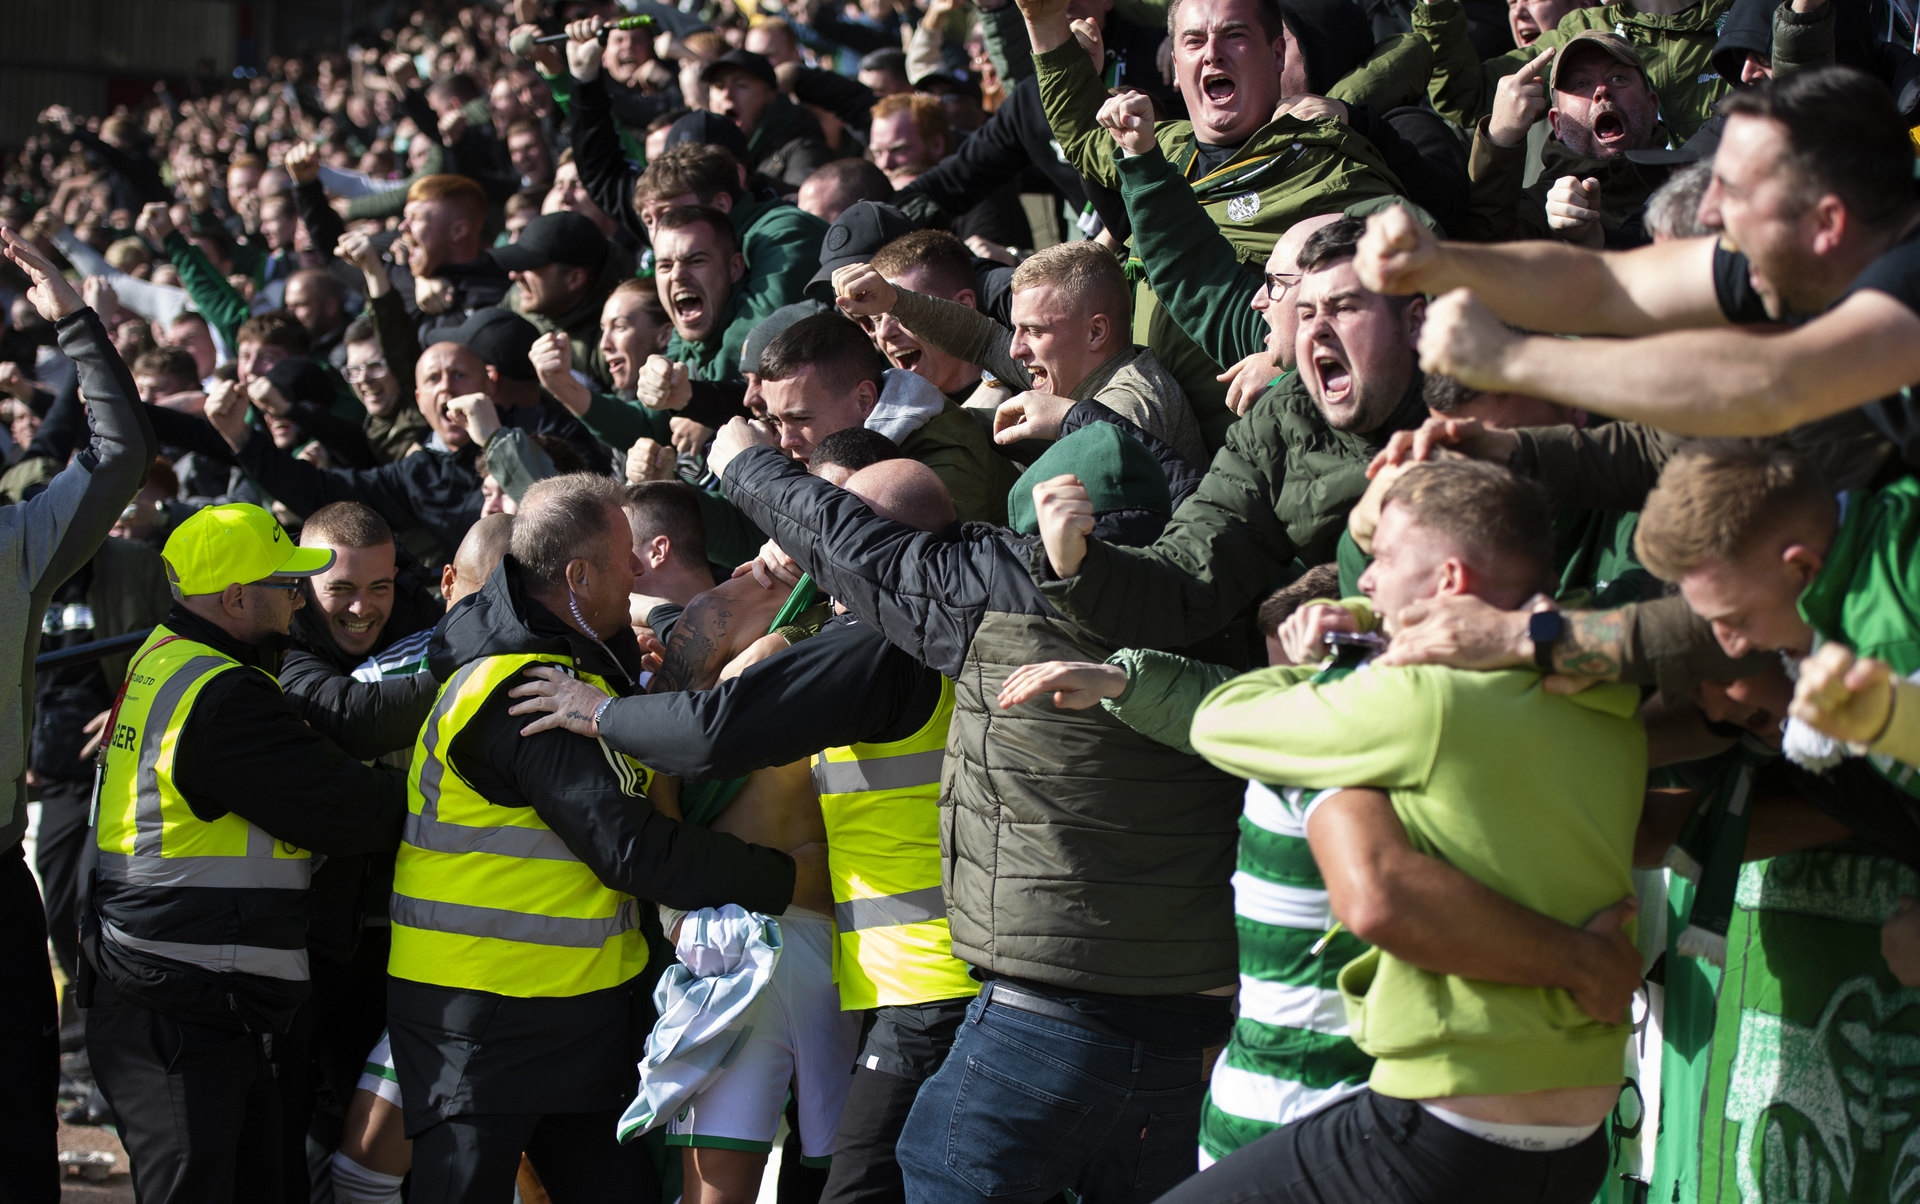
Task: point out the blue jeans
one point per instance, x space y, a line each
1026 1106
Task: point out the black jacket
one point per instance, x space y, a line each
846 685
932 600
243 749
464 1051
368 719
1015 138
605 172
433 491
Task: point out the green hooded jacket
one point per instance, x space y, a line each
1677 49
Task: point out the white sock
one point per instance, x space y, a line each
356 1184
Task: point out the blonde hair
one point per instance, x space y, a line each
1085 272
1717 500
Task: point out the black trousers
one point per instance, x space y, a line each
473 1160
63 852
29 1041
197 1107
1369 1149
902 1048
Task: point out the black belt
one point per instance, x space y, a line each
1006 995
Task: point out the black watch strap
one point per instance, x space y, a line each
1545 628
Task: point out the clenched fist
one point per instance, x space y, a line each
1396 253
1065 511
861 292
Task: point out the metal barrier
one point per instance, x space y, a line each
80 654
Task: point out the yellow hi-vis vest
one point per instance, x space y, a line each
150 840
488 898
881 803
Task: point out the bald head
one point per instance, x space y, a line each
905 491
480 553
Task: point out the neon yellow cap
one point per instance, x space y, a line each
235 544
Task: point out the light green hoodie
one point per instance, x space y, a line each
1532 794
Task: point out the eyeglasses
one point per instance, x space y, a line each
279 583
371 370
1278 283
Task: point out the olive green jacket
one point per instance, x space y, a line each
1677 49
1289 168
1278 494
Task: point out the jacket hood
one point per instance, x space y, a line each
1334 36
1124 482
501 620
907 403
1748 30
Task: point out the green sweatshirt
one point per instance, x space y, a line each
1677 49
1531 794
1867 594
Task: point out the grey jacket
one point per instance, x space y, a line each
45 540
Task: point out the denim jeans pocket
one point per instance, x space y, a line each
1169 1148
1005 1135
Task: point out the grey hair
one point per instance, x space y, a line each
562 519
1673 211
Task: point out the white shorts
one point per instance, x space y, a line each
800 1039
378 1075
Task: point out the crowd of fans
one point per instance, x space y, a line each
1205 600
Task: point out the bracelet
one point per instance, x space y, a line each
602 708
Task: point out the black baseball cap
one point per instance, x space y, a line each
1704 142
563 237
741 60
709 128
300 379
499 336
855 235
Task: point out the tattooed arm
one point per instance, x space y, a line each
716 627
1659 643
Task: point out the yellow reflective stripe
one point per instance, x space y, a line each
902 772
288 964
886 911
426 830
155 730
464 919
252 872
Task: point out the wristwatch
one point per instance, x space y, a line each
1544 628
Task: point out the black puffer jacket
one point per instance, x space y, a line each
1076 852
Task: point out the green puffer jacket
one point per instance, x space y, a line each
1677 49
1277 494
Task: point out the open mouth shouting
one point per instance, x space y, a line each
689 309
905 356
1330 375
1219 89
1610 129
